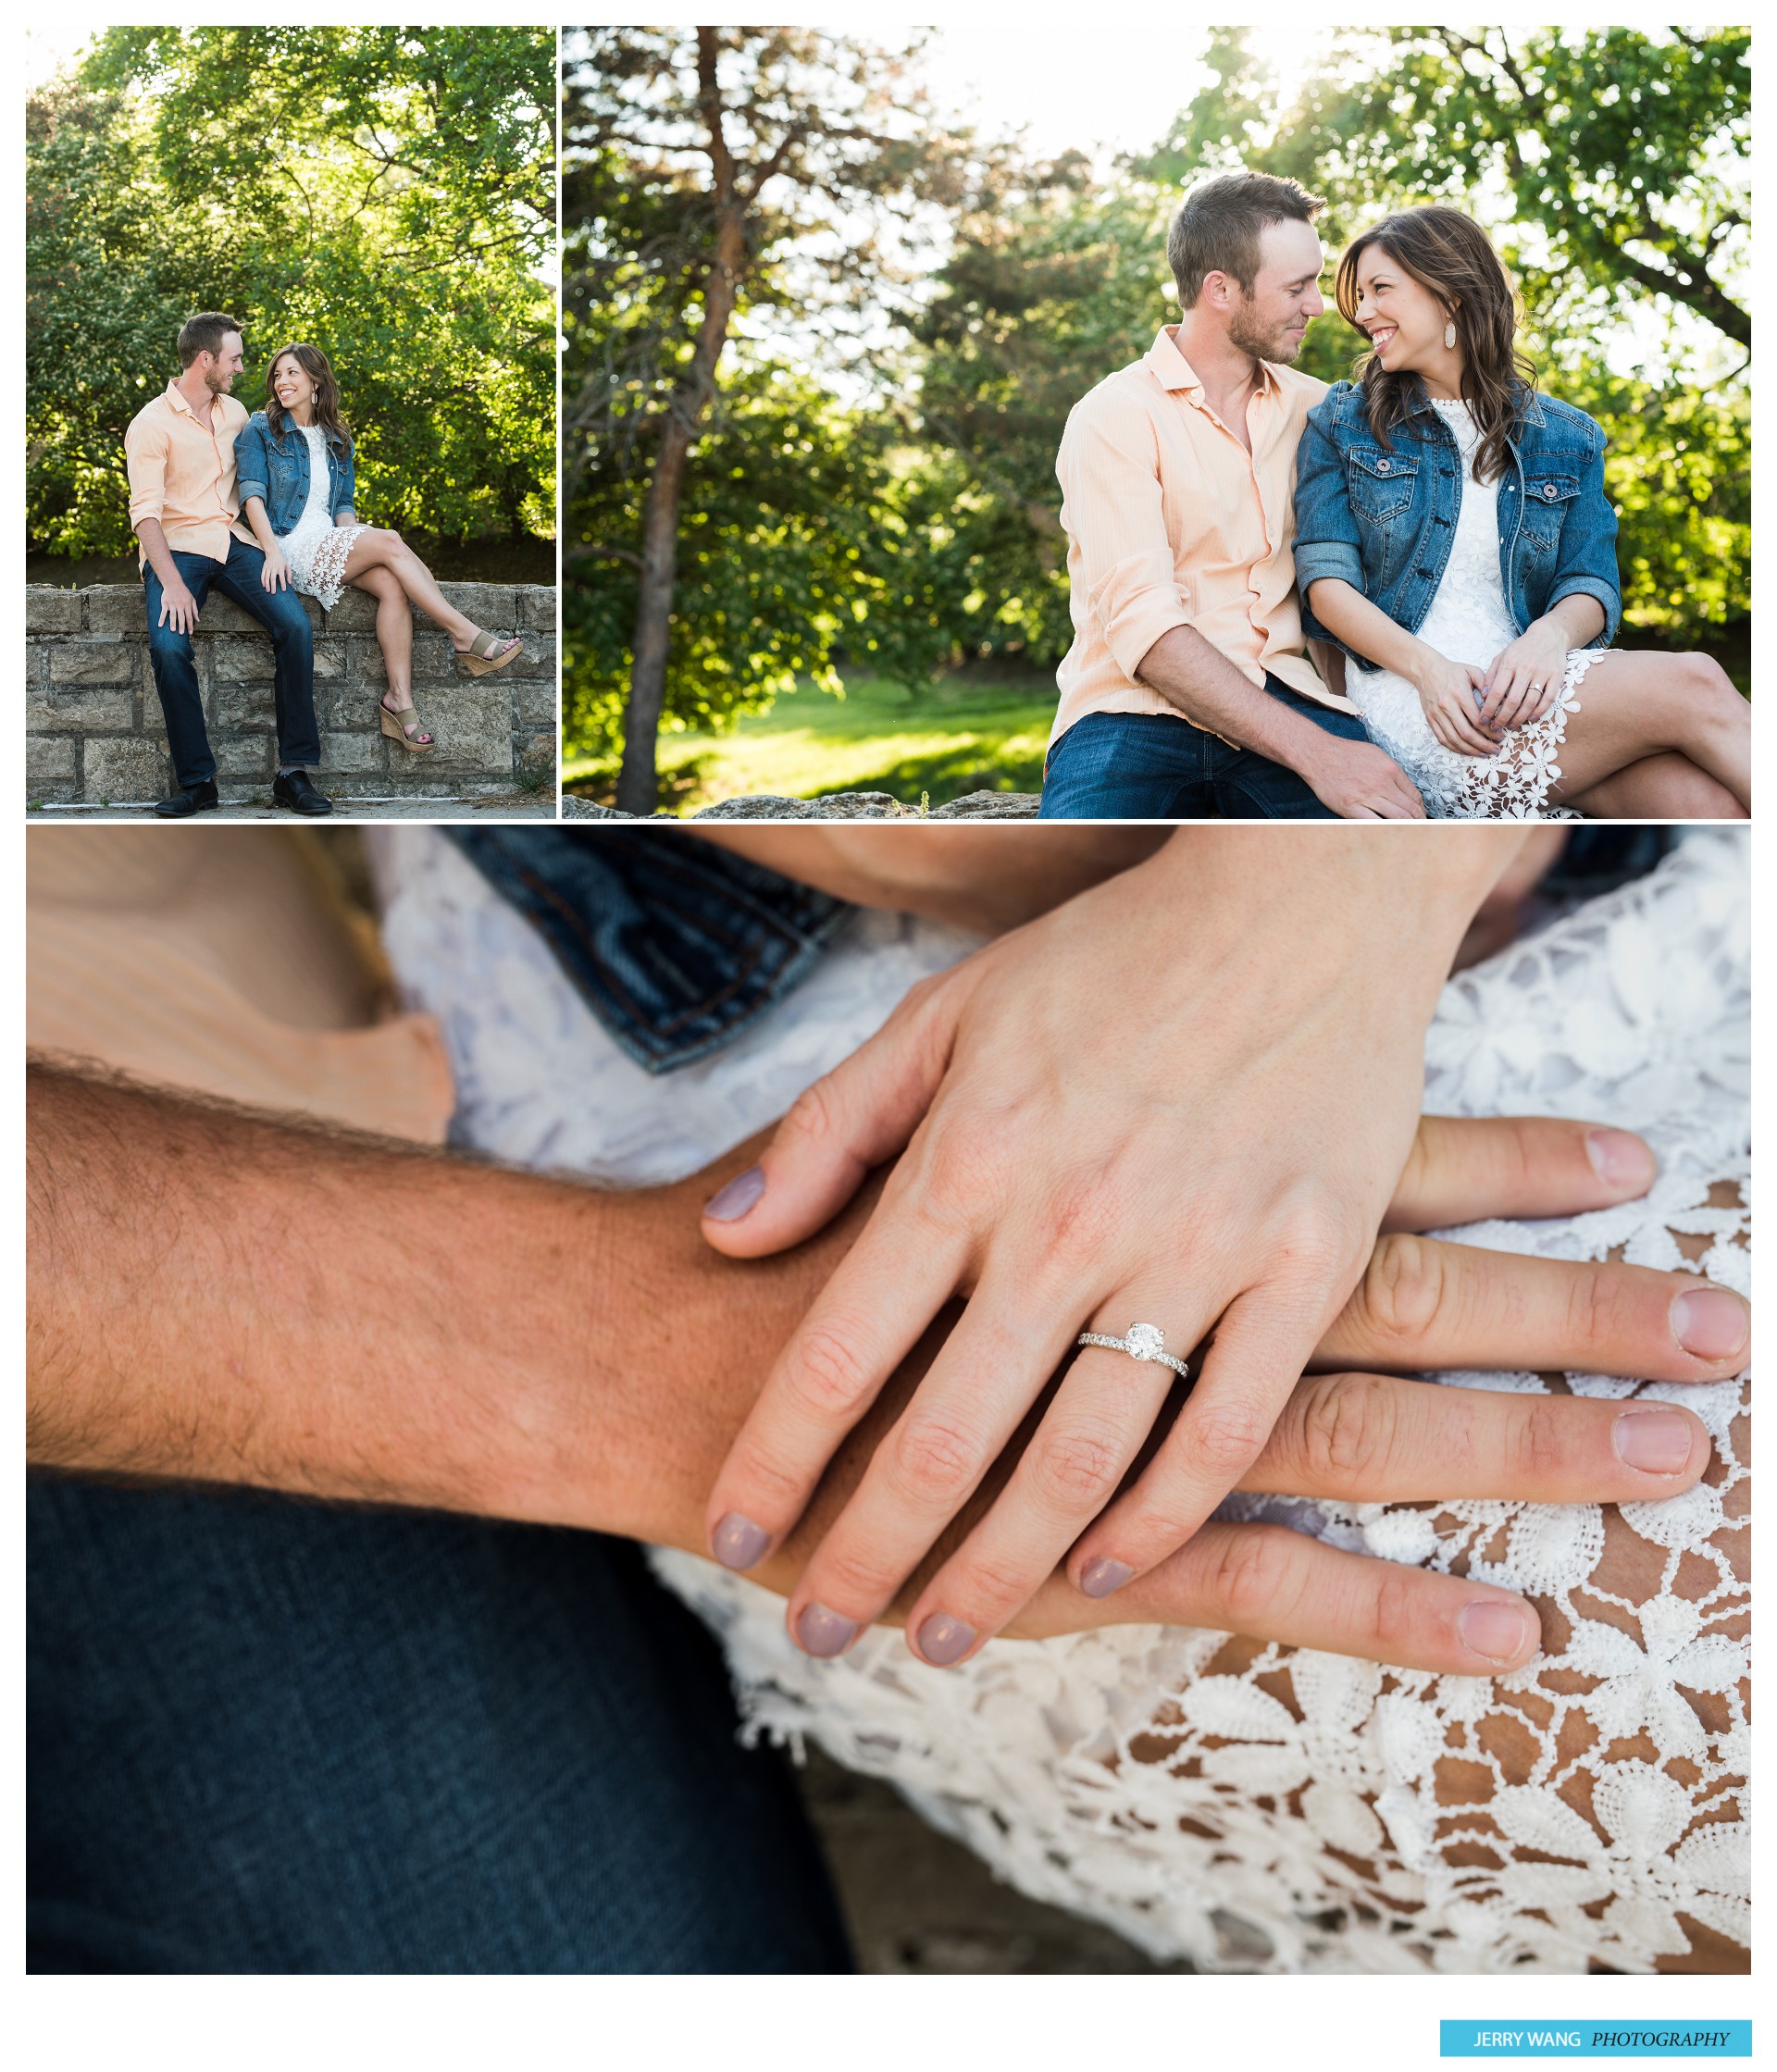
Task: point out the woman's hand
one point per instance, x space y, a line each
1185 1099
1522 680
1447 692
275 575
1358 1433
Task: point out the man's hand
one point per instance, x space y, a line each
177 607
1354 779
1358 781
275 575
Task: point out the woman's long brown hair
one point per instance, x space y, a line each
1450 254
313 362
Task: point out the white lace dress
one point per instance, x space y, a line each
1469 622
1266 1808
316 549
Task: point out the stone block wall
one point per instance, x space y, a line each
94 732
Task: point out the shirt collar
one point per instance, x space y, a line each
1173 370
176 397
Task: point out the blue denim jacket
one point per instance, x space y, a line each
1384 520
276 471
674 945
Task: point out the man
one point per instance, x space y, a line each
1187 691
186 516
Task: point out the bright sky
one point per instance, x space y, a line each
47 47
1095 100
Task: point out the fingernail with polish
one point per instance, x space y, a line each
824 1632
944 1640
1658 1442
1495 1630
1712 1323
1101 1577
1619 1159
729 1204
738 1542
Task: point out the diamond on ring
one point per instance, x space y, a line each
1143 1342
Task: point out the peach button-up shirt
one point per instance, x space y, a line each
1171 521
181 471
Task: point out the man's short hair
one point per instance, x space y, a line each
1219 223
204 333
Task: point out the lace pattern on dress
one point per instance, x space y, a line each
317 550
1251 1807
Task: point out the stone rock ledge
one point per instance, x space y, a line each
837 805
94 733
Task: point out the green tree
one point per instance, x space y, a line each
712 175
1628 153
386 192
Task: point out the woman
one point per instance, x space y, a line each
301 514
1454 539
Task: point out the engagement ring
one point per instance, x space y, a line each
1144 1342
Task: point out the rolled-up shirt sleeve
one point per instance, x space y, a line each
144 453
1111 510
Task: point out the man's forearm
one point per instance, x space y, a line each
220 1296
160 555
1212 693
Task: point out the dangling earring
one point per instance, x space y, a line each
1450 336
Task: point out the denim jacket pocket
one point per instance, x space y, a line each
1381 484
675 946
1549 500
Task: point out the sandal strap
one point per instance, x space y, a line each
406 717
485 646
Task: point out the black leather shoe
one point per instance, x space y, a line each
299 794
189 799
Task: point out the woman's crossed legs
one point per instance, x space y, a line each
382 564
1663 737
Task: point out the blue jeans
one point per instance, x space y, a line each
1150 766
274 1736
293 641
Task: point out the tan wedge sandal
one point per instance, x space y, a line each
403 726
483 654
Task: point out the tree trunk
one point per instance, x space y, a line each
637 783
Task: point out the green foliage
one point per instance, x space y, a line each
1624 155
1679 470
791 556
388 194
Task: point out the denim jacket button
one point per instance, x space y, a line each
1548 491
1382 468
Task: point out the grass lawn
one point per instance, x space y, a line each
956 736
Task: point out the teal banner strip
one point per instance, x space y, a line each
1667 2039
